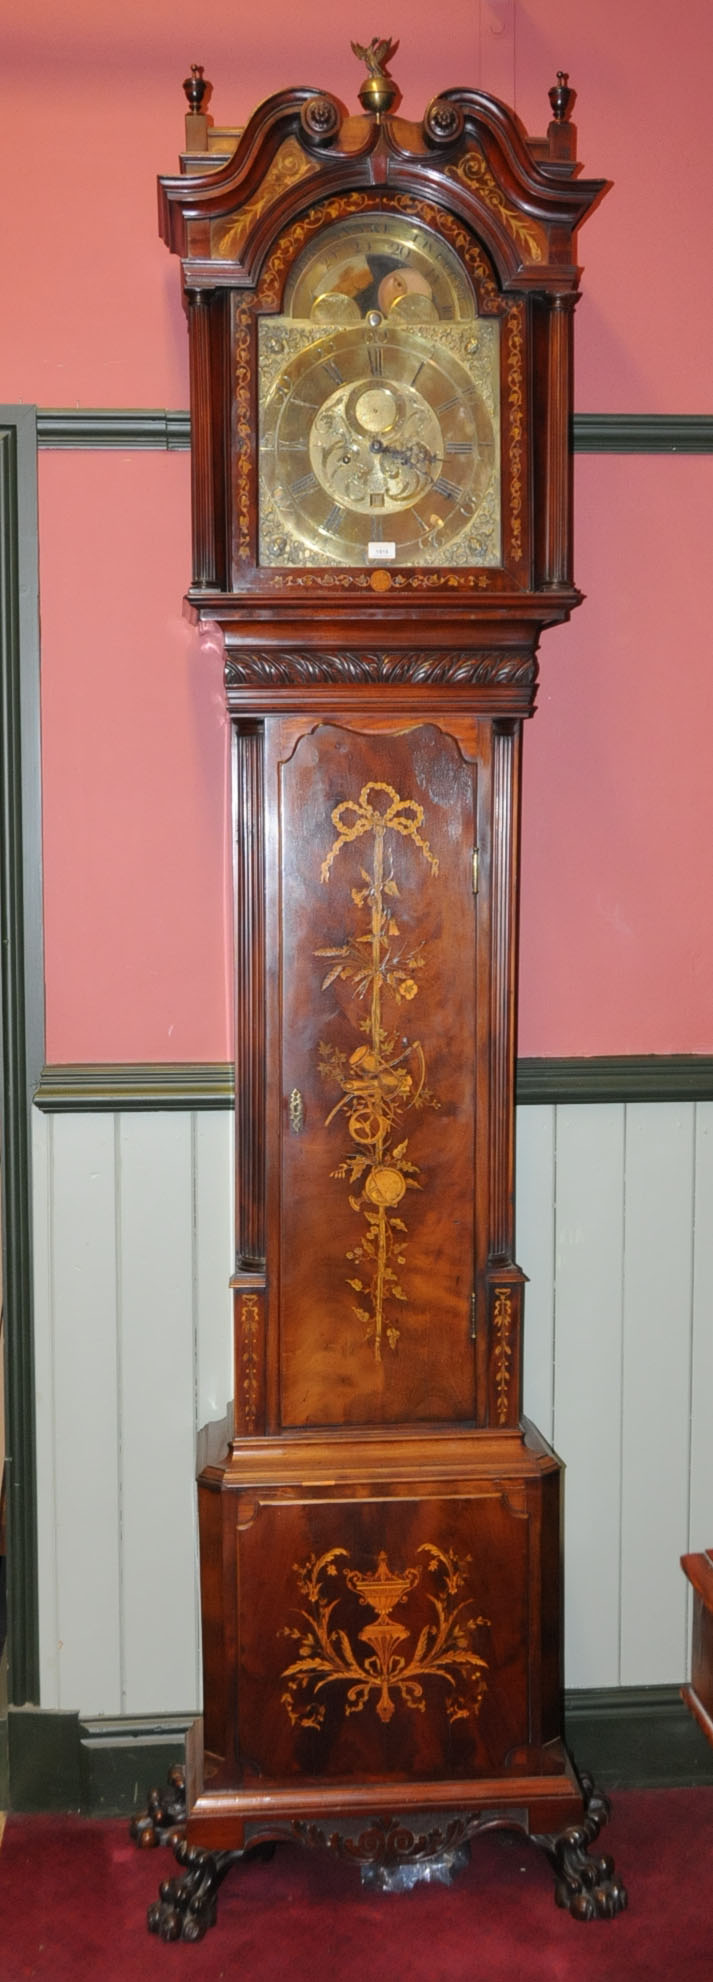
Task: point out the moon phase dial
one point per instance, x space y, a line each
378 446
380 261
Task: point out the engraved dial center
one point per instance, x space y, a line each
375 447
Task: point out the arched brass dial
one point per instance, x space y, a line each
379 406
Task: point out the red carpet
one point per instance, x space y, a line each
73 1898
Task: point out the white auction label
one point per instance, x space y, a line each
381 551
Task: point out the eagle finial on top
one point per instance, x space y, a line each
376 55
379 91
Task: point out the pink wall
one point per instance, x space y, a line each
616 930
617 940
136 777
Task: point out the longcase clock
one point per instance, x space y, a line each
380 320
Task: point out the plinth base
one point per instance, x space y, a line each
586 1886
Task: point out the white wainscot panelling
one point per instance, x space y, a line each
619 1310
133 1225
589 1215
656 1427
701 1534
133 1236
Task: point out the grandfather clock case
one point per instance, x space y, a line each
380 316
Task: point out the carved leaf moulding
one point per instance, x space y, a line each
260 668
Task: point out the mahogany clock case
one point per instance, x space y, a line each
380 321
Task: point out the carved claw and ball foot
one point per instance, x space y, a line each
164 1820
186 1907
587 1888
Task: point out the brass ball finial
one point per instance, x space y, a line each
379 91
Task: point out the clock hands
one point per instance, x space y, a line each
415 455
424 462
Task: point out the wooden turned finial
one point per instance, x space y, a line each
195 87
561 97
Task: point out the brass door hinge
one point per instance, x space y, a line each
475 870
473 1324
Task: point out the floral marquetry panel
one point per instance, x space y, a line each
384 1627
378 949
